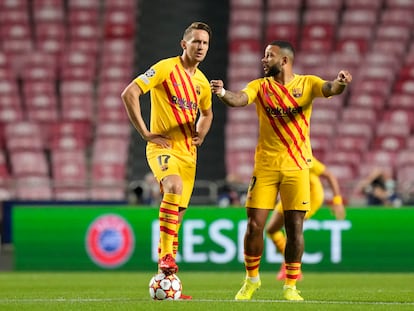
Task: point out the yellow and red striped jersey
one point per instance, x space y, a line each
284 113
176 98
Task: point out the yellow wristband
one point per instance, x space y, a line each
337 200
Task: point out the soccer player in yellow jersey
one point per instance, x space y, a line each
317 196
283 156
181 116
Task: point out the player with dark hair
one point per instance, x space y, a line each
181 116
283 156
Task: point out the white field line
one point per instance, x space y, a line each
85 300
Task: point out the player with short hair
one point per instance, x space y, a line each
283 156
181 116
276 222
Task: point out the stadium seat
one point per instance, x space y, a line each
404 158
364 4
121 130
362 114
389 142
28 163
110 150
284 4
400 4
33 189
354 128
334 5
320 16
73 194
17 143
325 114
381 158
327 129
401 101
349 143
250 4
359 16
396 16
282 17
108 173
69 168
107 193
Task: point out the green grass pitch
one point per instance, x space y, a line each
211 291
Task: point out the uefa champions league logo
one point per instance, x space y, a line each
110 241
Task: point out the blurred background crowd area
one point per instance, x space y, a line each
65 135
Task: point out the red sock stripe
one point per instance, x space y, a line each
170 221
290 268
252 267
169 203
168 211
167 230
292 277
249 260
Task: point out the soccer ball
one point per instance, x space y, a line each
165 287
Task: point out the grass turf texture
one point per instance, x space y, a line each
211 291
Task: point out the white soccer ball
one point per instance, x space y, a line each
165 287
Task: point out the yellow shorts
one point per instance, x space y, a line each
164 163
316 197
292 186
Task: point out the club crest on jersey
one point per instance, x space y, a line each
198 89
297 92
110 241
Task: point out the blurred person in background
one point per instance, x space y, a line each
379 188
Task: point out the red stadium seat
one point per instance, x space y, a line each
389 142
360 114
400 4
28 163
34 188
283 17
108 193
252 4
396 16
334 5
359 16
405 157
363 4
351 143
71 194
354 128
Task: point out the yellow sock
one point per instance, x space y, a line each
175 243
279 240
292 273
168 217
252 264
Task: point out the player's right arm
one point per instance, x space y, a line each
232 99
130 97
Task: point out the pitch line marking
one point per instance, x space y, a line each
71 300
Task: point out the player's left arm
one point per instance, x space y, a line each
203 126
338 85
337 207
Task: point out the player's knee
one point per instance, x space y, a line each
254 228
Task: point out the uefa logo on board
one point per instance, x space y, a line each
110 241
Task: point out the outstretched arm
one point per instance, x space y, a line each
232 99
338 85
